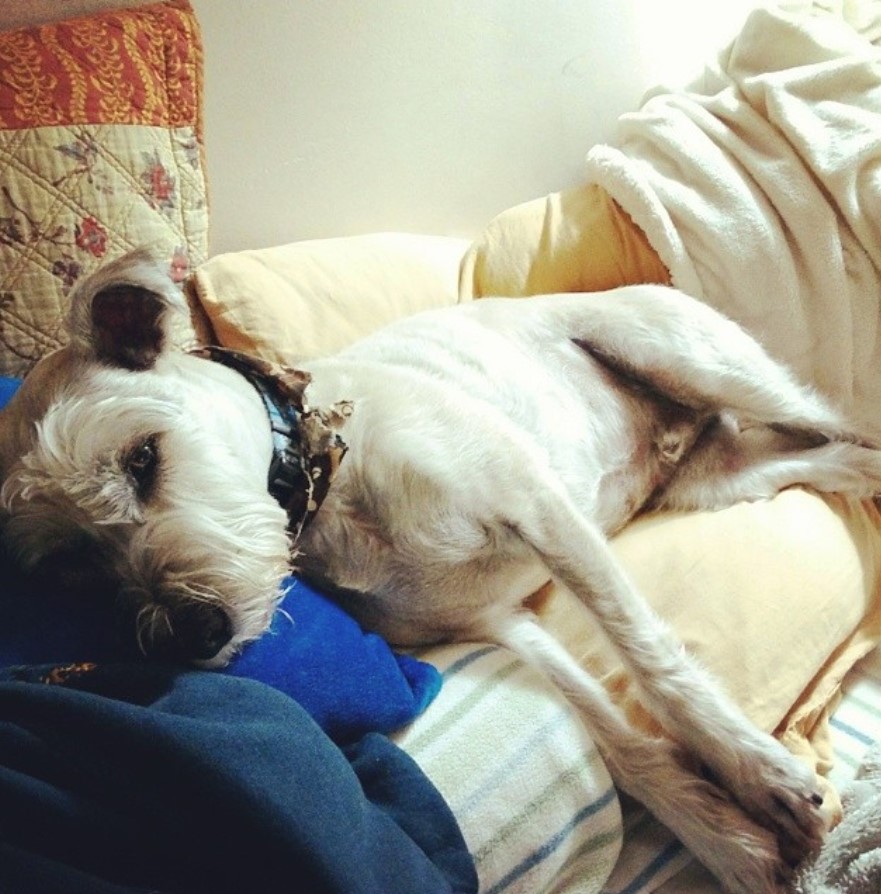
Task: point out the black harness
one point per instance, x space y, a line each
306 448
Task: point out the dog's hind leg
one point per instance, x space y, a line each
728 465
770 433
693 354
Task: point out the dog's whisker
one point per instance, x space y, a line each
150 620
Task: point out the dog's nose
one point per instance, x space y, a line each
201 630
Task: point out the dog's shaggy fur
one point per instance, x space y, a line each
493 446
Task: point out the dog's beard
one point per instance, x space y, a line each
164 571
190 559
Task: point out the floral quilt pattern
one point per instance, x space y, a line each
100 152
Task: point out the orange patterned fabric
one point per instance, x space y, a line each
100 152
133 66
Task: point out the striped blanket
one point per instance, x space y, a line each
534 801
533 798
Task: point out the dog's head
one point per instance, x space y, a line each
131 466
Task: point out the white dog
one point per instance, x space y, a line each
490 447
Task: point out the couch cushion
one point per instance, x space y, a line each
294 302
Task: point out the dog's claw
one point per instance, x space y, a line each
798 824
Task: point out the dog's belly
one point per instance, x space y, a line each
452 428
467 390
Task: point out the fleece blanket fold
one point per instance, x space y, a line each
760 189
850 860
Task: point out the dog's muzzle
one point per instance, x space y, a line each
190 630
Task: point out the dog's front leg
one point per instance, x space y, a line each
770 784
744 855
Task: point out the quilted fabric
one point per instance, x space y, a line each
100 152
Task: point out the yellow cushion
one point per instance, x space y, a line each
578 240
778 599
294 302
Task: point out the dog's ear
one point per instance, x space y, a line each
120 315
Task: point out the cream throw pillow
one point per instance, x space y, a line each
306 299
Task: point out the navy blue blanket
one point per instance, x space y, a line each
124 780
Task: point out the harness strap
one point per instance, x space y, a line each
306 447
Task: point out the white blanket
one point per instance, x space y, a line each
850 859
760 188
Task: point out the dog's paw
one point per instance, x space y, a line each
745 853
748 862
745 856
781 794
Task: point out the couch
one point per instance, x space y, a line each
780 599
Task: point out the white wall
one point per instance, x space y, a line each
332 117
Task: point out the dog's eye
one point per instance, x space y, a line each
141 463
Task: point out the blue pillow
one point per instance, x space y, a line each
8 387
350 681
